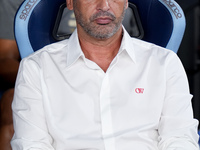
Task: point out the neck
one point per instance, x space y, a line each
102 52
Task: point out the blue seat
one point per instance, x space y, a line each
158 21
161 22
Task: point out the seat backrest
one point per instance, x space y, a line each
158 21
163 22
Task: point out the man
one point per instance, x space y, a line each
102 90
9 63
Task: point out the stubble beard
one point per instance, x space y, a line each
100 31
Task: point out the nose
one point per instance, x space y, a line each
103 5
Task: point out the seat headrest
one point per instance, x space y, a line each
158 21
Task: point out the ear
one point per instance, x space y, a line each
126 4
69 4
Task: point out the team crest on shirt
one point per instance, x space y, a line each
139 90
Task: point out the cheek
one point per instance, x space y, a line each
119 9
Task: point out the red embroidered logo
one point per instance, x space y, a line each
139 90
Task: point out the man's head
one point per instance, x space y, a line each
100 19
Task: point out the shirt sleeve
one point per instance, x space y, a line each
177 129
29 121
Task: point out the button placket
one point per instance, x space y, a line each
106 116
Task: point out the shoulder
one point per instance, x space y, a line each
51 52
148 50
143 49
50 49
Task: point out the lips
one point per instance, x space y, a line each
103 20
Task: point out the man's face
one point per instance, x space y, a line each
100 19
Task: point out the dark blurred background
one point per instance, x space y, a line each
189 51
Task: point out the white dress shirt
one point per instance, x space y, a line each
63 101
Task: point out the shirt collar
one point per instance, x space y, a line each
74 48
127 45
75 51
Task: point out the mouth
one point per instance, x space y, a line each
103 20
